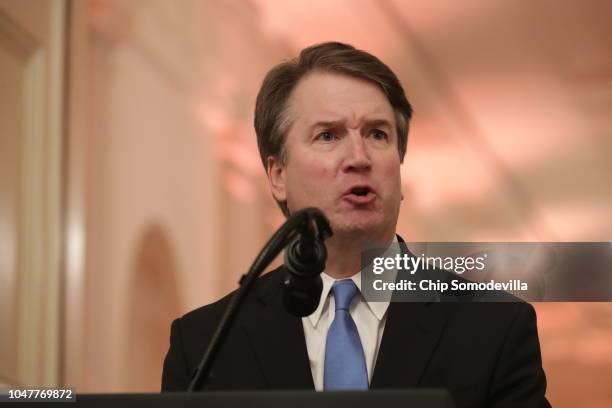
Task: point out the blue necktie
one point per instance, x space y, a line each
345 367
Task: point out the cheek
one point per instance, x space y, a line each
322 173
311 171
391 179
391 172
309 177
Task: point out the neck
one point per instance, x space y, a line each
344 254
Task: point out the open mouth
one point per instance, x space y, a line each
360 195
360 191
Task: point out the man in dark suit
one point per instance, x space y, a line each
332 130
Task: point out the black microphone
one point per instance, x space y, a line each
305 261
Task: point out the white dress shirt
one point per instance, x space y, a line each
369 318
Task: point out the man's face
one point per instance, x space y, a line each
342 156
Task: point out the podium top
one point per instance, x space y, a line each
423 398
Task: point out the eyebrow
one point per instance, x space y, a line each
327 124
374 123
370 123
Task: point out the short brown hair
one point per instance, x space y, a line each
272 120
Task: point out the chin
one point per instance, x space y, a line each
357 226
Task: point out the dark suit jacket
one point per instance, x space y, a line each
485 354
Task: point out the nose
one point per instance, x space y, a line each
357 155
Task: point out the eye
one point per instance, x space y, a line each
327 136
379 135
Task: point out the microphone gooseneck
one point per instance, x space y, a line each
305 258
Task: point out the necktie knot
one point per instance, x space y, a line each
344 292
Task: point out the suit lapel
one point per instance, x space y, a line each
278 341
412 332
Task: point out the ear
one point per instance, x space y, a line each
276 177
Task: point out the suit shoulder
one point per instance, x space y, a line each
213 312
495 314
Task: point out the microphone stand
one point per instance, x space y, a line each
281 238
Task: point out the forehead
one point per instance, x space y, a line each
322 96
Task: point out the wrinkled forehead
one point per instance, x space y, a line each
338 98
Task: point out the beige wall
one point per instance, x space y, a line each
31 136
172 218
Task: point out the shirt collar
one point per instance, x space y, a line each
378 308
